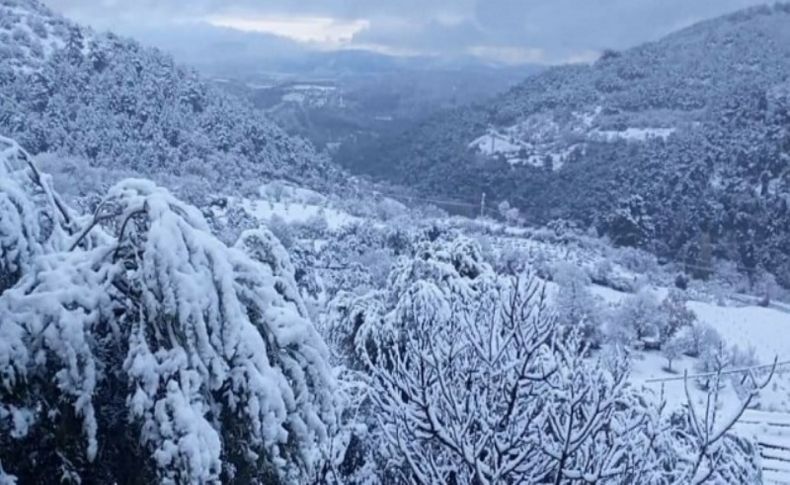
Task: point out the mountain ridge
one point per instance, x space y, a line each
654 146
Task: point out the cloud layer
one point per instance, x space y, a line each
544 31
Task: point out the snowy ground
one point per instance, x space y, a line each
292 204
772 432
299 212
766 330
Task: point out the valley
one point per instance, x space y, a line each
350 267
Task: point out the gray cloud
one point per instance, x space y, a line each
548 31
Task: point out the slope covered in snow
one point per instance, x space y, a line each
69 90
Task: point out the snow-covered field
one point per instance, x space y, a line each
291 204
296 212
763 330
767 330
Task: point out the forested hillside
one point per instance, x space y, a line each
69 90
681 146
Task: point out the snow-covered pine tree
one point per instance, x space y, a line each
142 346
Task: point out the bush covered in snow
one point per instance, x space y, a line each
134 342
33 219
672 349
472 380
699 338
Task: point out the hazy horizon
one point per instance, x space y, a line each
502 31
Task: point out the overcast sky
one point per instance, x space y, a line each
534 31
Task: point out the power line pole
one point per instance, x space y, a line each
483 205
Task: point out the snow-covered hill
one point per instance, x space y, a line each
665 146
69 90
29 35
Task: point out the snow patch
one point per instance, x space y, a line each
296 98
633 134
263 210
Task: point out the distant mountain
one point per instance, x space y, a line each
681 146
224 52
69 90
357 62
331 97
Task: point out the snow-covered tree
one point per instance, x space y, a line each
709 453
508 213
576 306
630 224
356 327
672 349
146 346
282 230
714 358
638 318
675 315
698 338
456 387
